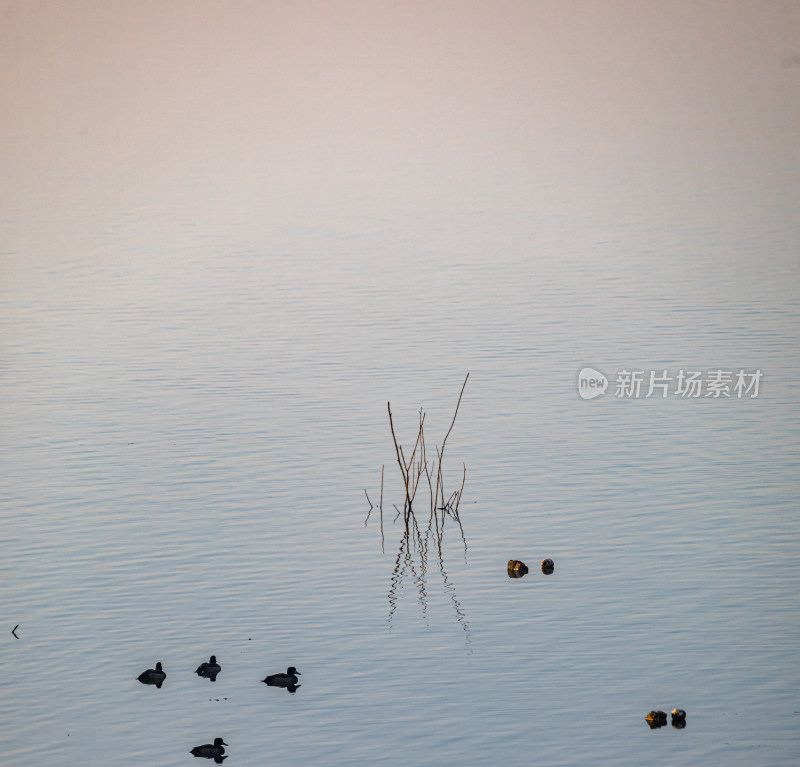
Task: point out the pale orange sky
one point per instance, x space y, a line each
305 100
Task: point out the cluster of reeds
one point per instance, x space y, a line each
419 465
420 468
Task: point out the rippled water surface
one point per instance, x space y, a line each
231 232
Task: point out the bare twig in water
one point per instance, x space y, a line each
413 453
461 491
370 507
14 631
380 508
413 468
452 423
455 511
416 538
439 478
398 450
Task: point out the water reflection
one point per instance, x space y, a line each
413 560
678 718
423 538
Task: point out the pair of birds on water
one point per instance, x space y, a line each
210 670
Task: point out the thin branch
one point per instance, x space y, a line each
452 423
370 507
424 454
461 492
380 508
439 480
396 448
419 433
457 518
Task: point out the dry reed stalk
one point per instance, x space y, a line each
397 448
461 491
439 479
380 508
411 471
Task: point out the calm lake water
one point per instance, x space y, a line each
231 232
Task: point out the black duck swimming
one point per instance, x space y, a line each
283 680
154 676
210 669
213 750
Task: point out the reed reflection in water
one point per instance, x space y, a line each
419 536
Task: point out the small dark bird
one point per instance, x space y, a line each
678 718
213 750
154 676
548 566
516 569
656 719
289 679
210 669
